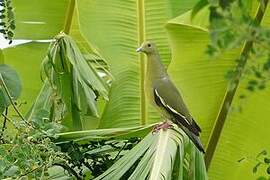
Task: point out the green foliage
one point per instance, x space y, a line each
208 94
95 157
167 154
7 20
39 19
263 162
74 83
231 25
119 35
29 152
24 59
33 153
10 86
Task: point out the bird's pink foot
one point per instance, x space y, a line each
165 125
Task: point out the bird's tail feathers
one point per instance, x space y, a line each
194 124
195 139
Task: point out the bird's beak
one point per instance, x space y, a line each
139 49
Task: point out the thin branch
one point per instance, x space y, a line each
15 107
11 100
120 151
8 119
231 90
5 120
4 126
29 172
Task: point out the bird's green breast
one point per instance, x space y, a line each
154 71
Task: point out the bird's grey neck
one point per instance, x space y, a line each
155 68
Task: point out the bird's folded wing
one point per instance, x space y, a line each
166 96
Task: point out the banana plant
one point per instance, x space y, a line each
115 28
215 100
134 22
202 81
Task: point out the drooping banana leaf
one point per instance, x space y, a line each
73 80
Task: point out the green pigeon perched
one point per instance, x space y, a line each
165 97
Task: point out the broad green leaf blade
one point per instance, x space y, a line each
203 85
238 132
154 158
85 136
26 59
244 135
39 19
167 149
117 35
1 56
47 101
10 86
200 172
58 173
201 81
118 169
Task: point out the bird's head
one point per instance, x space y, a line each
147 47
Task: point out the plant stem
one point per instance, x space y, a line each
231 90
7 118
11 100
69 16
29 172
15 107
4 126
142 61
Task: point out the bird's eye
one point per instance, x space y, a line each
149 45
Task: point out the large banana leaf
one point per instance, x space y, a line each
202 81
244 133
117 28
39 19
204 86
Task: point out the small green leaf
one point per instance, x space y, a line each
253 82
13 84
262 153
261 178
267 160
255 169
11 171
261 86
250 88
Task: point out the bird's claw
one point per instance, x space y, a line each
165 125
